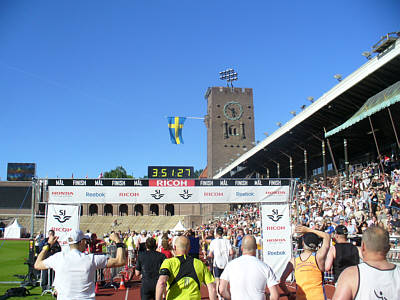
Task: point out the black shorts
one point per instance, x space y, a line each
217 272
148 289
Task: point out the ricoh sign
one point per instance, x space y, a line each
167 190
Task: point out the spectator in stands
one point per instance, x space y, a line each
220 250
184 274
148 266
343 254
375 278
247 276
75 270
309 265
46 275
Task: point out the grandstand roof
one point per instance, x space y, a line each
382 100
307 129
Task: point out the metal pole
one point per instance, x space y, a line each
346 159
324 161
305 165
333 158
33 206
278 170
394 128
376 144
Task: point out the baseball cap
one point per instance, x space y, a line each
311 240
341 229
219 230
76 236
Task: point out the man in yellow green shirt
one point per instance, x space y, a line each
183 275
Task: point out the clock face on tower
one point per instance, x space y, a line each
233 110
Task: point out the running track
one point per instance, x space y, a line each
132 292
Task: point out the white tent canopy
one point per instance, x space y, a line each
179 227
14 231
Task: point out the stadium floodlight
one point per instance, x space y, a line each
303 107
338 77
279 124
293 113
311 99
229 75
367 55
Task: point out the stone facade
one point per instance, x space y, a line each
230 126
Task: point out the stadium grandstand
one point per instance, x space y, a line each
354 122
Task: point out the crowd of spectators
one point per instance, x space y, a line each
368 197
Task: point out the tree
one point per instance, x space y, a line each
197 173
118 172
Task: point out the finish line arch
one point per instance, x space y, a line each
274 196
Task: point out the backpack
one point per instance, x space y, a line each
16 292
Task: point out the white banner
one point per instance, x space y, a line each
277 243
157 194
62 219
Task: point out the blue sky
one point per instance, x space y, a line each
85 86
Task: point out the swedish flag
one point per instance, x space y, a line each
175 125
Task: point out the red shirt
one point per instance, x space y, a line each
167 253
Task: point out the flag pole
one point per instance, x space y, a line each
196 118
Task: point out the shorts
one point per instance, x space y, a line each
131 253
217 272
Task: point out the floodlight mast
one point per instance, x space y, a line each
229 75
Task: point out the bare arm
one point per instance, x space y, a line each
39 265
120 259
347 284
224 289
285 274
323 251
212 291
161 286
330 258
274 292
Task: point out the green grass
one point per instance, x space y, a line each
13 254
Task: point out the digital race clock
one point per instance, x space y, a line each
170 172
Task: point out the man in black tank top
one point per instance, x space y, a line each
148 265
343 254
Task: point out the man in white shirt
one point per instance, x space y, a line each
248 276
220 250
75 270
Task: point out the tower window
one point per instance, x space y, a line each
233 130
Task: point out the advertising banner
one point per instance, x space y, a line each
168 191
276 228
62 219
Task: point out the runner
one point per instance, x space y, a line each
309 265
375 278
219 252
248 276
342 255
